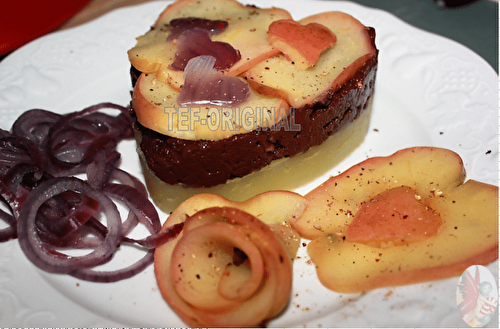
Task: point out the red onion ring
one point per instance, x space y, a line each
10 232
34 125
136 194
73 141
52 211
48 259
117 275
151 242
15 150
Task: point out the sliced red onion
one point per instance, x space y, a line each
60 217
196 42
151 242
126 178
88 236
4 133
100 169
18 181
158 239
74 139
49 259
9 232
9 198
142 208
180 25
34 125
136 187
52 212
93 275
145 212
203 85
15 150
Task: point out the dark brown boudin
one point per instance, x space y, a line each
205 163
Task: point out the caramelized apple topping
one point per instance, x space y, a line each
204 85
406 218
302 44
393 217
180 25
196 42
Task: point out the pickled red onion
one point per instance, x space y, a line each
51 211
196 42
204 85
179 25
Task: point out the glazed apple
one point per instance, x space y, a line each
279 77
275 208
393 218
231 266
246 32
302 44
401 219
156 107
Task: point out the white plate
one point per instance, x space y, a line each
429 91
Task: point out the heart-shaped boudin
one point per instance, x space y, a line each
302 44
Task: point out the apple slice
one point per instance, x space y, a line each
394 217
152 51
156 107
333 204
302 44
227 268
463 222
246 32
278 77
274 208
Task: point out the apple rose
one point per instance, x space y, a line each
226 269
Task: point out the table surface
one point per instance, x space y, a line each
474 25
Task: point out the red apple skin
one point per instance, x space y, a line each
302 44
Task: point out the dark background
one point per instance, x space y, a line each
474 24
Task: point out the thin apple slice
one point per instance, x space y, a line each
156 107
468 236
246 32
227 267
151 51
393 217
302 44
279 77
333 204
467 227
274 208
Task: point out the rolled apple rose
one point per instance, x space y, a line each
226 269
